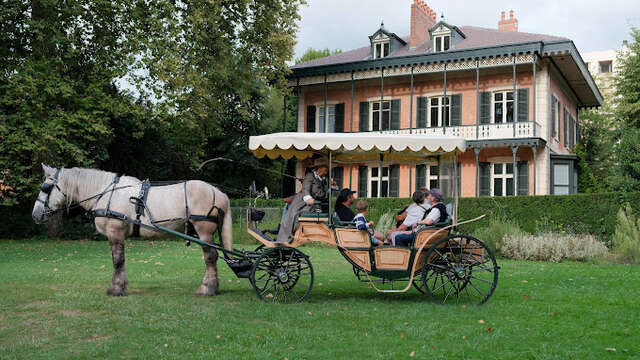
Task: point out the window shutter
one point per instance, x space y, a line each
485 179
421 176
364 116
362 180
553 116
564 126
311 118
456 109
395 114
338 175
485 107
394 180
523 178
339 127
421 120
523 105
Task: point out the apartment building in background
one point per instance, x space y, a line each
513 96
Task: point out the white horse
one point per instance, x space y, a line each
65 187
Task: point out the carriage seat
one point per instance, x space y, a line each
335 219
313 216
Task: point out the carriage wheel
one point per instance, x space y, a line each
282 275
459 268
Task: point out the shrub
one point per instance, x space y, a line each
386 222
552 247
497 228
626 239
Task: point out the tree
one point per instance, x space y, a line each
312 54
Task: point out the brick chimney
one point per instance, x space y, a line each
422 19
510 24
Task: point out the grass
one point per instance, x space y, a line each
53 305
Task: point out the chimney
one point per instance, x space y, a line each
422 19
510 24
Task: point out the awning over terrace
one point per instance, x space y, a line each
354 146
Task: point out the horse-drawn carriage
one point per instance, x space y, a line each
448 267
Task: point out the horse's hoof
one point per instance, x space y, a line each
206 291
112 291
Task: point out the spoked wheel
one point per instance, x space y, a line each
459 269
282 275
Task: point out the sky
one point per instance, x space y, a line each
346 24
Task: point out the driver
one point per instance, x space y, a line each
314 192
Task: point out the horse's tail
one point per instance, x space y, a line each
226 233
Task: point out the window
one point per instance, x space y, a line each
439 111
503 104
441 43
380 118
605 67
381 49
375 178
432 176
330 125
555 116
502 183
561 179
426 176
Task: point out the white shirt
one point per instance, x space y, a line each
415 213
434 214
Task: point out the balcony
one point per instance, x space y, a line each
479 132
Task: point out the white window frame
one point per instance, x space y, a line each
431 176
381 54
504 176
377 179
440 39
331 105
600 63
381 112
440 107
504 102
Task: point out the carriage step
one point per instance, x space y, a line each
242 269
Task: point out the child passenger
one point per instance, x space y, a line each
377 238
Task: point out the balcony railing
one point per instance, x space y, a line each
479 132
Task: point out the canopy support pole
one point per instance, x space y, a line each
445 104
330 188
477 152
455 188
351 120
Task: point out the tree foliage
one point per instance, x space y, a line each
206 72
312 54
627 83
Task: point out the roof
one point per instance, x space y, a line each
351 146
476 37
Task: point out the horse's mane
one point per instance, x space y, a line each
85 182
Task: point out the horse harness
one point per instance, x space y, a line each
47 188
140 203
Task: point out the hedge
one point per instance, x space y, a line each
583 213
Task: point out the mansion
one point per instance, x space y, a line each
513 96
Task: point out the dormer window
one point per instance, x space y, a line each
441 43
381 49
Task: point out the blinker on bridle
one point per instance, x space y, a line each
47 188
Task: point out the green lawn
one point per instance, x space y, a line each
53 304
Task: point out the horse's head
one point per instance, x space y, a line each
50 198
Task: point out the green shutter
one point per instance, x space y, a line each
311 118
456 109
485 179
338 175
553 116
523 105
394 180
364 116
339 118
485 107
523 178
564 126
362 181
421 176
395 114
421 120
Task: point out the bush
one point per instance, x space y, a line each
497 228
552 247
626 239
386 222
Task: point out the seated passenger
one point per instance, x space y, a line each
415 213
343 204
437 213
361 223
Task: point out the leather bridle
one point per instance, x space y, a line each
47 188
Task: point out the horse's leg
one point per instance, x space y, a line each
209 286
119 283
